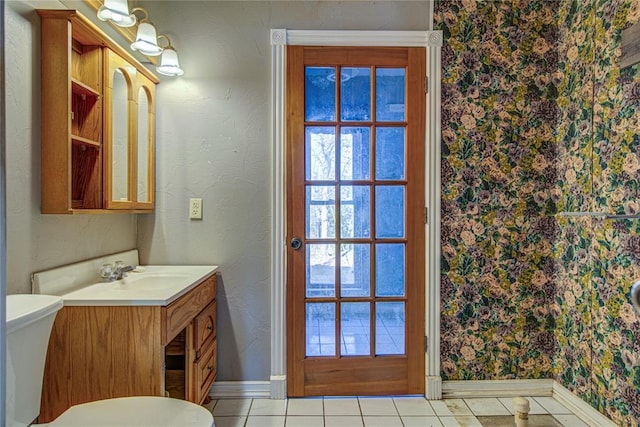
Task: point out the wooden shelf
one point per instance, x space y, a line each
83 89
85 141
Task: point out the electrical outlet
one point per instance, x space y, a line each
195 208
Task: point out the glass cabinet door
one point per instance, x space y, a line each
118 149
145 136
129 137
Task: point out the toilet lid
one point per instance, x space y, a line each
141 411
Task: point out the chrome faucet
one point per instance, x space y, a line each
117 271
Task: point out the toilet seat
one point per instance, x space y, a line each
141 411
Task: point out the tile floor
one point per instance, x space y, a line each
385 412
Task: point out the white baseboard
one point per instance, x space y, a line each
278 387
497 388
582 409
240 389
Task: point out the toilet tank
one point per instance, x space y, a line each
29 322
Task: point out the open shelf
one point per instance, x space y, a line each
85 141
83 89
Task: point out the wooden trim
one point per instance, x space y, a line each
415 194
56 123
295 211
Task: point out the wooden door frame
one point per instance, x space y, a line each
432 41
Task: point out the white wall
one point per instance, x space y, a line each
34 241
213 127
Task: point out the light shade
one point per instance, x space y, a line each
169 65
116 11
146 40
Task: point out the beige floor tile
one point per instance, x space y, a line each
468 421
421 422
552 405
457 407
230 421
447 422
303 407
265 421
377 406
232 407
302 421
486 406
440 408
382 421
341 406
342 421
413 406
568 420
268 407
535 407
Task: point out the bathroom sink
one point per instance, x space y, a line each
150 281
157 285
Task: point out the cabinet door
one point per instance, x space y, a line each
129 136
144 137
120 105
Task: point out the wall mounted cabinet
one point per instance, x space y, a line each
98 121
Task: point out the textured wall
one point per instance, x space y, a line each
499 189
599 138
213 142
37 242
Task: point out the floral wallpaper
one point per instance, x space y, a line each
537 120
499 191
599 138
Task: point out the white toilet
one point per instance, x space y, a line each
29 322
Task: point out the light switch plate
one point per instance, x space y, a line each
195 208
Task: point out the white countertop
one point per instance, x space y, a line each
157 285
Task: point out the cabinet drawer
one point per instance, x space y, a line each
177 315
205 325
206 369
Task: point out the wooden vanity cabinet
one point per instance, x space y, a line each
75 116
101 352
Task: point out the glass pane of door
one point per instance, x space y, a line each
355 211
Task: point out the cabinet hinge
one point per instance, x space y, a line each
426 343
426 84
426 215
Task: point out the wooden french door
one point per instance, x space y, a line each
355 220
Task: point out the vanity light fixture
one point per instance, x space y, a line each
117 11
146 39
169 65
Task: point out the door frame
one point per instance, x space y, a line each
432 42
